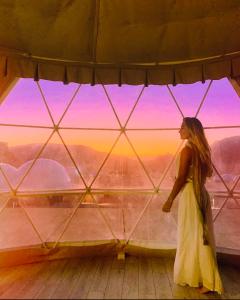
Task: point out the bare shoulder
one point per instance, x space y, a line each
185 162
186 152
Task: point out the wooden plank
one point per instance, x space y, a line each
169 263
33 284
160 279
146 285
84 281
30 292
99 284
115 282
8 276
231 282
70 275
131 279
20 280
106 278
53 275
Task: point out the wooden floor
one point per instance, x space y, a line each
106 278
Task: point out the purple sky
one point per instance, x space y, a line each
91 109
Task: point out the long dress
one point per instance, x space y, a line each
195 263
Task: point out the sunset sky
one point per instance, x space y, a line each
91 109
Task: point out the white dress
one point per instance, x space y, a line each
195 263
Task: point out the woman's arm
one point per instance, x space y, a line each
185 162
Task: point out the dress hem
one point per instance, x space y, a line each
220 292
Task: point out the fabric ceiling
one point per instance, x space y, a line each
120 41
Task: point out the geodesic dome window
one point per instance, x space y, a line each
88 165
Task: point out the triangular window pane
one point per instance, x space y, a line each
89 148
87 225
53 170
50 213
122 169
20 145
123 99
156 229
24 105
189 96
156 150
58 96
221 106
16 229
225 145
90 109
155 109
227 228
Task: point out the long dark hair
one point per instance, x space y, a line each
199 142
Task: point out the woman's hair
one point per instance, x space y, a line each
198 139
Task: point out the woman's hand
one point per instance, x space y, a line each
167 206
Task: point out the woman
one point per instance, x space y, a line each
195 263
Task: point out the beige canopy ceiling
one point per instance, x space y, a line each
120 41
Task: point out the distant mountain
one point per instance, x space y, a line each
57 152
87 159
17 155
226 155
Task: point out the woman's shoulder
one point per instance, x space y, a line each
187 150
186 157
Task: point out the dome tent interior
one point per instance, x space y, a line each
87 169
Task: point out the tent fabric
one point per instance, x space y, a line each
120 41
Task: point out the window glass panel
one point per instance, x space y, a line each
16 230
18 148
51 213
189 96
122 169
89 149
123 99
155 109
156 150
53 170
90 109
23 104
221 106
57 96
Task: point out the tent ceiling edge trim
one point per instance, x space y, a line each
7 83
15 64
